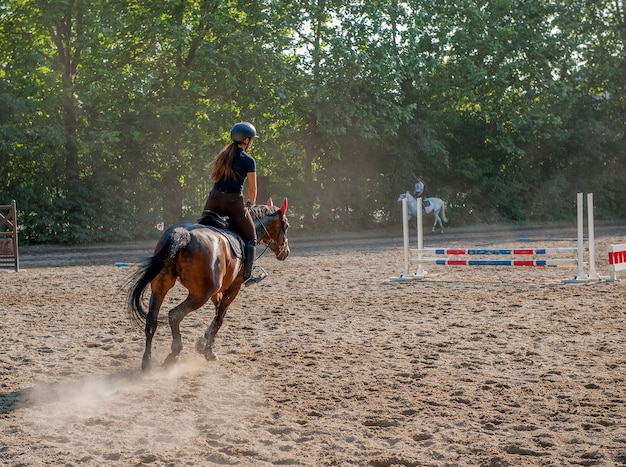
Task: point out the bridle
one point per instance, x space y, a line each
277 248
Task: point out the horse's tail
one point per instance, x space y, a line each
173 240
443 211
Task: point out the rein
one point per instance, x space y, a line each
272 244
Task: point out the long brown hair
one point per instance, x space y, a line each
222 165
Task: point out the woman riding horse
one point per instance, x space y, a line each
204 261
231 168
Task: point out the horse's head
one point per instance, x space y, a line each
272 225
406 195
411 201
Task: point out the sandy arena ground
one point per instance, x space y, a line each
326 363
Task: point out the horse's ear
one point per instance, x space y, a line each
269 202
283 207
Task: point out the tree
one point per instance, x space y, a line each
347 83
111 110
489 90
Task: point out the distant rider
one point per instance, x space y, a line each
419 188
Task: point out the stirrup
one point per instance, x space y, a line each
255 278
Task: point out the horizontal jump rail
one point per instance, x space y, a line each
492 251
494 262
548 239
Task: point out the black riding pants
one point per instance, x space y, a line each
232 205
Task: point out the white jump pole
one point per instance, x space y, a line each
593 274
580 274
420 236
406 274
405 232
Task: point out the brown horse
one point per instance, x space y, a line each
204 262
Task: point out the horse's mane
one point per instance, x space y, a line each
262 210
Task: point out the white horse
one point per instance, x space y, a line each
434 205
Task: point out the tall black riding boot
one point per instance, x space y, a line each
249 261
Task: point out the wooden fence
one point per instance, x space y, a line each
9 256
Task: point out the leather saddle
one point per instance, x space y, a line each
213 219
220 224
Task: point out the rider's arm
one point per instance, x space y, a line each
251 176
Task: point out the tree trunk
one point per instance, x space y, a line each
71 145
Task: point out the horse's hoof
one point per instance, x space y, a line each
170 360
146 365
209 355
200 345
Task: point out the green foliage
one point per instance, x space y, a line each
110 111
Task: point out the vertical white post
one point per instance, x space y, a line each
580 274
405 232
406 275
593 274
420 236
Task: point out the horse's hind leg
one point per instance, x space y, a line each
151 325
159 286
176 315
437 221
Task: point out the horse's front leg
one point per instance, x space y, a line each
204 345
176 315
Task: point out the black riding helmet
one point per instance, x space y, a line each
241 131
